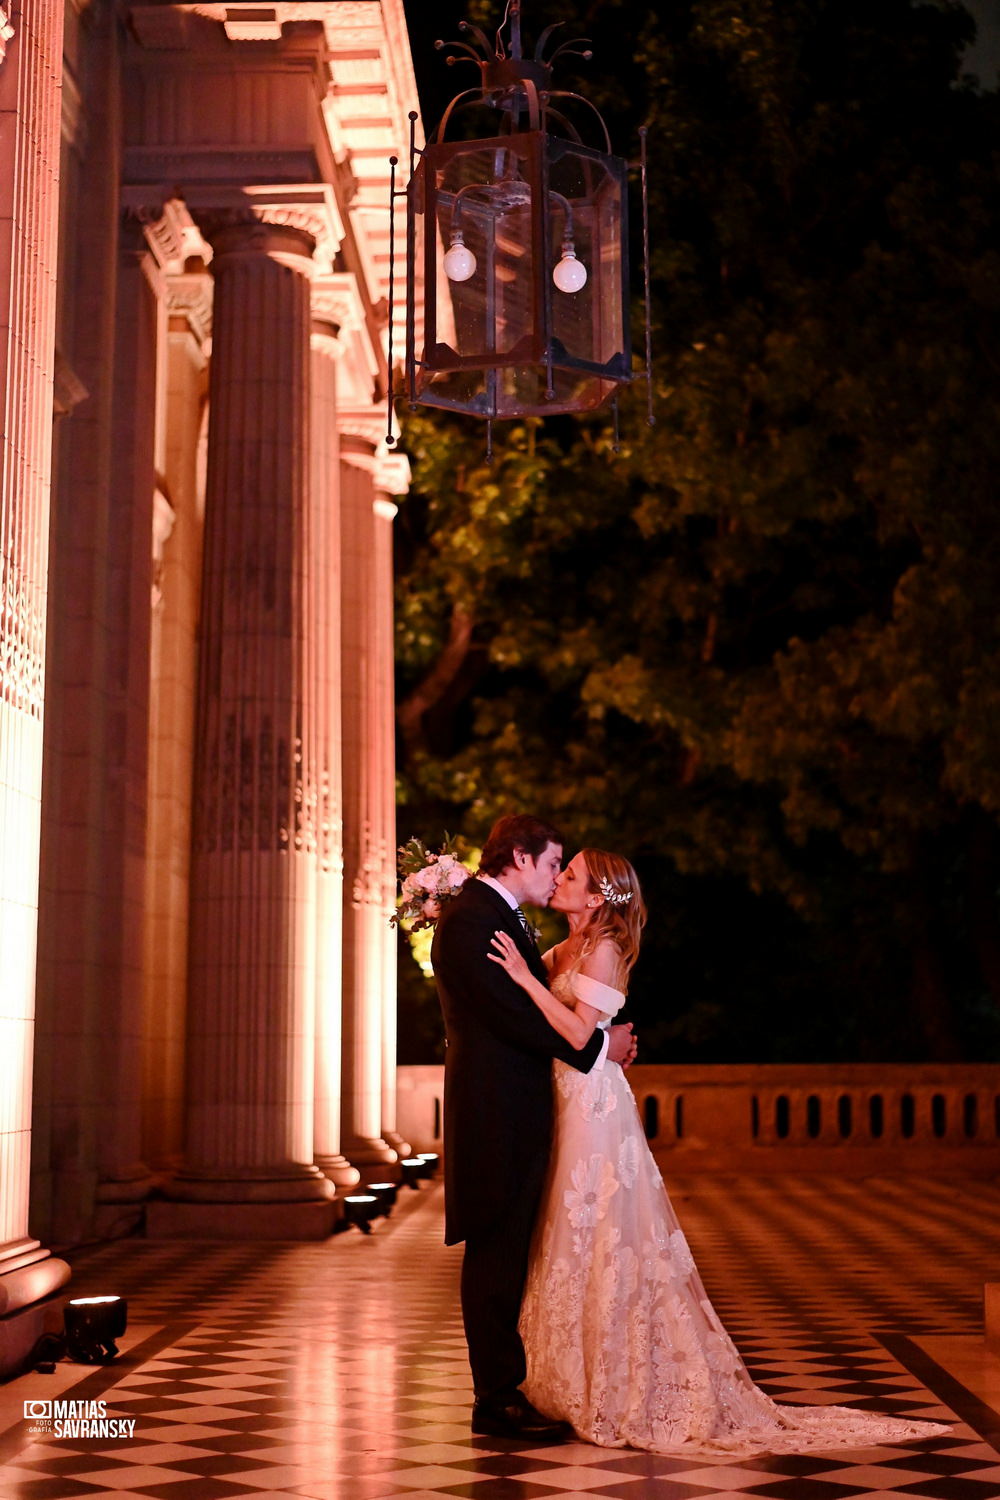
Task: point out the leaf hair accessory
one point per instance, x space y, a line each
616 898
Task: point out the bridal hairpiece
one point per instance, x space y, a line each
616 898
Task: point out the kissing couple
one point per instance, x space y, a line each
583 1310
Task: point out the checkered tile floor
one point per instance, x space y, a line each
337 1371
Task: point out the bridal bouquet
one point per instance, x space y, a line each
427 880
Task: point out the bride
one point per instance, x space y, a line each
621 1340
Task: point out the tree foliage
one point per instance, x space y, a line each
759 649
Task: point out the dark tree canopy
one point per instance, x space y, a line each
758 651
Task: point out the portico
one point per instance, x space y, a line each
195 274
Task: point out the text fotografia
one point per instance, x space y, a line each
77 1419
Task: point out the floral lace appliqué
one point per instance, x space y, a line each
620 1336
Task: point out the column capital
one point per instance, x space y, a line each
392 477
356 448
281 233
325 336
361 432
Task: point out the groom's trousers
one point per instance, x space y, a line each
493 1275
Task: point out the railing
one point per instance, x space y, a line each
856 1118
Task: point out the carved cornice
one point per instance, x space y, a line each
189 297
6 31
162 227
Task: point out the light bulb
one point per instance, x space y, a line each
570 275
459 263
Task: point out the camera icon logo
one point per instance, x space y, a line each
33 1410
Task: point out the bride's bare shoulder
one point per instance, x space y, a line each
604 963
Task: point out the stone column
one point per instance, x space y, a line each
392 477
258 802
140 341
325 577
174 658
364 792
30 76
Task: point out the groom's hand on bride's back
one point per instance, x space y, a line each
621 1047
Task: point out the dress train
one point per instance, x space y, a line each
620 1337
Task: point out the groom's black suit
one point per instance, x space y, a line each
497 1122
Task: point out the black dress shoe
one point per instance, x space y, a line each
515 1417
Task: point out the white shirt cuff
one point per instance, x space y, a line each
600 1058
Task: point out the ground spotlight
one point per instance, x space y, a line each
430 1160
385 1192
92 1326
412 1170
360 1209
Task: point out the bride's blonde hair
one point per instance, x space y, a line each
621 915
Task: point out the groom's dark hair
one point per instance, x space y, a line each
516 831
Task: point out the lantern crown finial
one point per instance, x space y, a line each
505 71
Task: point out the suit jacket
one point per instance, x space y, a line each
498 1084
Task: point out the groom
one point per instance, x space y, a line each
498 1108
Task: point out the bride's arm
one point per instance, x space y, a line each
576 1023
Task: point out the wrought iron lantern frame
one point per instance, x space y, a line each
520 90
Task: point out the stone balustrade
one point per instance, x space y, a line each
854 1118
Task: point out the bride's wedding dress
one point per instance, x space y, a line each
621 1340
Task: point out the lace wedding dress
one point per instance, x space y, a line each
621 1340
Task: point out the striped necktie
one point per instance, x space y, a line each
525 924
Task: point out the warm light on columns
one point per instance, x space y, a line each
29 206
366 776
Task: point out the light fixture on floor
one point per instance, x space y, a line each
360 1209
92 1326
430 1160
385 1192
412 1170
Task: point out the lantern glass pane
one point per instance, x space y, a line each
482 200
502 338
587 216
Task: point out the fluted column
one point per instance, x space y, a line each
325 577
364 788
140 337
177 582
259 798
392 477
30 74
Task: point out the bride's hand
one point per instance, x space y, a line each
509 957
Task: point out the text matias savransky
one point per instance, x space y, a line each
77 1419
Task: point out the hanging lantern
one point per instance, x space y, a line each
522 241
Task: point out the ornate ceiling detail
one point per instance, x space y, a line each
6 30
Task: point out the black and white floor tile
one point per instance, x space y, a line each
337 1371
